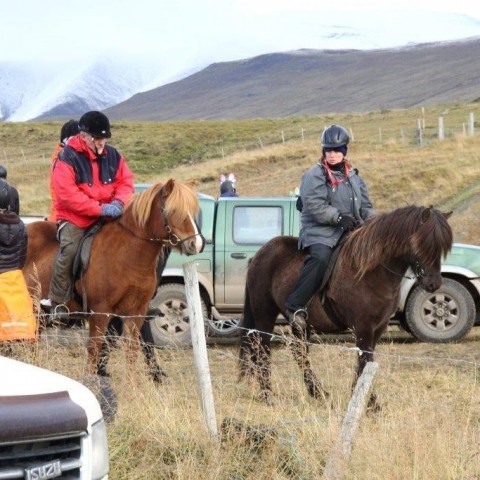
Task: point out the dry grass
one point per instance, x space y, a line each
429 425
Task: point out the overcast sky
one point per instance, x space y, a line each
187 34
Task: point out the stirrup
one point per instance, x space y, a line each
298 317
59 311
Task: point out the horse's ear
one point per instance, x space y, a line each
426 213
168 187
448 215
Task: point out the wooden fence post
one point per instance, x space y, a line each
342 448
197 328
441 131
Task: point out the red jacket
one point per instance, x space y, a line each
81 202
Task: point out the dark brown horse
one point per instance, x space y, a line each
121 279
361 294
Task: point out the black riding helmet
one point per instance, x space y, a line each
5 195
3 172
96 124
334 136
69 129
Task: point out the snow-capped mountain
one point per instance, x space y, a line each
66 88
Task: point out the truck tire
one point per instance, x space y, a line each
442 316
224 327
171 328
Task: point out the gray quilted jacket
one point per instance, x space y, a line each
323 203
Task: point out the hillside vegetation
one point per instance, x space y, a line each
268 156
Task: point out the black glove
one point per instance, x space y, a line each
346 222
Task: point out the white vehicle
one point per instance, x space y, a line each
50 426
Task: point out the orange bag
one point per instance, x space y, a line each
17 321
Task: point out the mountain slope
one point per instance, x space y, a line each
316 81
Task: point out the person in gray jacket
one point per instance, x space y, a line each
334 201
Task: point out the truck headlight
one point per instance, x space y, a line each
99 451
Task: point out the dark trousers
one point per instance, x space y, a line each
311 275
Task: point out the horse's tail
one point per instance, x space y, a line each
246 346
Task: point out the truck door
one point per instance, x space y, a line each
251 224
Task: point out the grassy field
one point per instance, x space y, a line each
429 425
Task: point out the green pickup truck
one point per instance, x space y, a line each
235 228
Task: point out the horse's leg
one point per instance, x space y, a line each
366 341
97 327
114 331
299 348
148 347
131 333
262 355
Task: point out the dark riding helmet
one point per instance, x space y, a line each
69 129
3 172
227 186
96 124
334 136
5 195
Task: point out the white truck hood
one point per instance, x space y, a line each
20 378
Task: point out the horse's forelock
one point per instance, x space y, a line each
433 239
181 202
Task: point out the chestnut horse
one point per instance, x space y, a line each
121 276
361 294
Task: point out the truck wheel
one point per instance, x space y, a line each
445 315
172 326
224 327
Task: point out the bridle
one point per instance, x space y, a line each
418 271
173 239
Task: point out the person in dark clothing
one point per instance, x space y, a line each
69 129
334 201
15 202
17 321
227 186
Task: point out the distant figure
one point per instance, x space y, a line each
15 201
17 321
69 129
227 186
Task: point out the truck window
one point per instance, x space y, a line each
256 224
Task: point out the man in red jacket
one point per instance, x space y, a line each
90 180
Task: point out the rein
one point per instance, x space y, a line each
172 240
419 272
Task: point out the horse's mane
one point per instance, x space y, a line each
181 202
422 231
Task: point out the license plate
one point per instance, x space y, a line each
44 472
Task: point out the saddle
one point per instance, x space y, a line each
327 306
82 258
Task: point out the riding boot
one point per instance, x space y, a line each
308 283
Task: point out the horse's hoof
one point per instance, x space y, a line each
373 405
267 398
319 394
159 377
